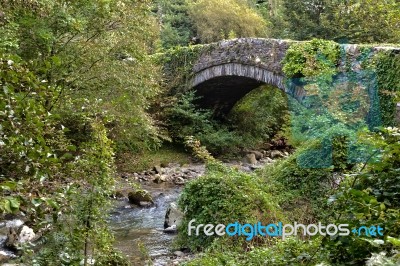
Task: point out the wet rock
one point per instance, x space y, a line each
145 204
250 158
14 223
179 253
17 236
276 154
258 154
3 239
160 178
171 229
173 216
138 196
179 181
143 178
3 256
157 169
266 160
255 167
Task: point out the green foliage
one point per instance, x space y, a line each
292 251
310 183
184 119
177 65
367 21
177 28
354 21
387 69
303 18
311 59
217 20
168 153
87 49
32 145
369 197
224 195
259 115
41 179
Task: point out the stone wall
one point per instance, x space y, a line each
263 53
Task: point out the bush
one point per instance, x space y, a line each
224 195
292 251
369 197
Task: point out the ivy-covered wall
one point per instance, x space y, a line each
388 71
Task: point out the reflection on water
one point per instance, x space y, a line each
144 226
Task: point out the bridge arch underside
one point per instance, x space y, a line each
220 87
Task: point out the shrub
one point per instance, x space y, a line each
369 197
292 251
224 195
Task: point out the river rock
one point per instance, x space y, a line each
179 180
276 154
157 169
171 229
250 158
159 178
258 154
179 253
173 216
268 160
138 196
3 256
17 236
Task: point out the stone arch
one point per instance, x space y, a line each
221 86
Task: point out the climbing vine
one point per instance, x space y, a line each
388 69
177 65
311 59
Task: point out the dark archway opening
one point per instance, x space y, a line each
221 93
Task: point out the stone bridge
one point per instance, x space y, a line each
228 70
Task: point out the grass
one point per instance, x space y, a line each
130 162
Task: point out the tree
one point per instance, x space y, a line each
366 21
92 49
354 21
176 26
304 18
216 20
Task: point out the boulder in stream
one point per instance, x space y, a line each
138 196
173 216
250 158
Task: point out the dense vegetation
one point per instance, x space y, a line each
91 87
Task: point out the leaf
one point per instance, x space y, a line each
36 202
7 206
52 203
394 241
14 203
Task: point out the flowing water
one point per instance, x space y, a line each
139 231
